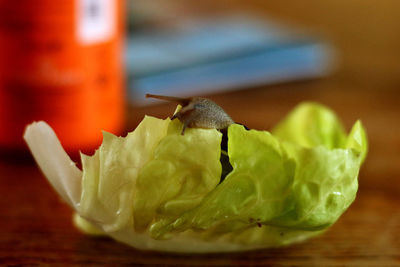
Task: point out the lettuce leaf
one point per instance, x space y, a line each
311 124
182 171
296 182
109 176
285 185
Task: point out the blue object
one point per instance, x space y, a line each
221 55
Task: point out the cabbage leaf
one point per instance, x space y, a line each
158 189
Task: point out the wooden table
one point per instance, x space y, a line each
36 228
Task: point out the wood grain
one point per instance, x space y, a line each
36 228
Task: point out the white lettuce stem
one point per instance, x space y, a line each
56 165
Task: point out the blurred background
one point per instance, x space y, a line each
84 66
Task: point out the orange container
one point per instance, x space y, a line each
60 61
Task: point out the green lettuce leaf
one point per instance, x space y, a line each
285 185
310 125
296 182
183 170
109 176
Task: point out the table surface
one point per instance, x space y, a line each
36 227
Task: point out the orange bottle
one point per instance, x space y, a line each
60 61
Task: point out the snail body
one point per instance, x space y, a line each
198 112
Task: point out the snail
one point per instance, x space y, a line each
198 112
